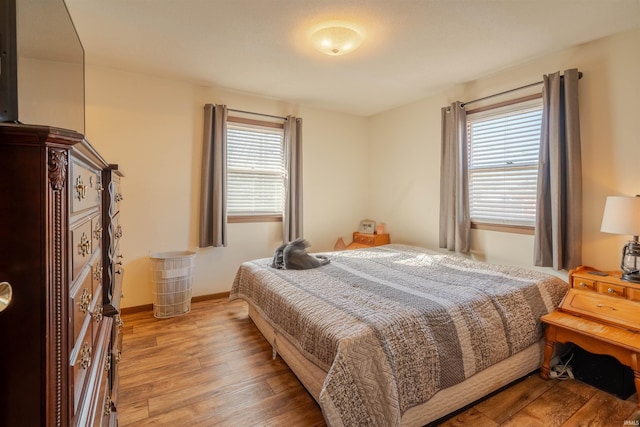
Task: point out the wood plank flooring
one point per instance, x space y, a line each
212 367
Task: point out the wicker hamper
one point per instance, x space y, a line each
172 277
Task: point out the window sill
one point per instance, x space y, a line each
504 228
253 218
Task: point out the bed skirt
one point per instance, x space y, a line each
442 403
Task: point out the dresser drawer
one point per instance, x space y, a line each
81 302
116 356
81 247
96 311
86 187
97 234
610 289
91 405
81 363
96 275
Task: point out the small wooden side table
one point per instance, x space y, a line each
598 323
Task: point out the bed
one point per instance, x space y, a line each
400 335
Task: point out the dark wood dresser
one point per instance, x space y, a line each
60 333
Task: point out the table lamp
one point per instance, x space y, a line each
622 216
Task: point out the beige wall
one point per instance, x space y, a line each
51 92
407 141
152 128
385 167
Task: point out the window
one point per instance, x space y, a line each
255 170
503 149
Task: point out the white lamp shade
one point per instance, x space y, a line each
621 215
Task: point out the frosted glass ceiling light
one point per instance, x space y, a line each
335 38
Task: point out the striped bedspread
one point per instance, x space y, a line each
394 324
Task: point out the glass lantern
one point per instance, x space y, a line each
630 263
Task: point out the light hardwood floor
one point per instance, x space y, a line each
212 367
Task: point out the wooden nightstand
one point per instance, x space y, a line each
363 240
599 314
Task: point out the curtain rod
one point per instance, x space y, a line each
511 90
256 114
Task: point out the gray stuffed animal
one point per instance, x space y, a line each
294 256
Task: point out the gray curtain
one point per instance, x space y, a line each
455 222
558 233
292 217
213 199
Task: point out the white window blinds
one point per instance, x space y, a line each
255 170
503 154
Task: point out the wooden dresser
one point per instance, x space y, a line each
60 331
601 314
364 240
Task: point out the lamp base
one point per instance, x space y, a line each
631 277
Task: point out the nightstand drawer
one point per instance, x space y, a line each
367 239
610 289
363 240
582 283
633 294
607 283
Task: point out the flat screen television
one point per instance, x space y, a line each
42 65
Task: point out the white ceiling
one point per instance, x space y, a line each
413 48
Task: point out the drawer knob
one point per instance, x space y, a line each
81 189
97 274
84 247
85 300
611 291
583 285
85 356
119 323
107 406
97 314
6 294
98 232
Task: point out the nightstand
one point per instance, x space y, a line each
364 240
600 315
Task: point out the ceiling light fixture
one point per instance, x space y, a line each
336 38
